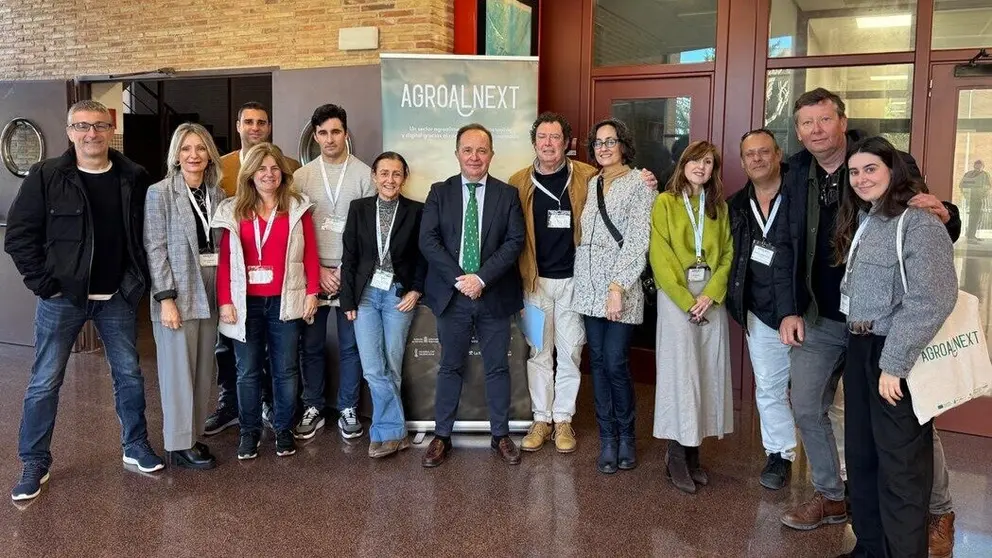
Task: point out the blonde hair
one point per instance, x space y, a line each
246 198
212 176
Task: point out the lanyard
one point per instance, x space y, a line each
541 187
697 226
327 184
196 207
854 245
259 238
766 226
383 243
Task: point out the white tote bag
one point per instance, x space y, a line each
954 367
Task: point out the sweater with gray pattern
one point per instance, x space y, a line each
908 320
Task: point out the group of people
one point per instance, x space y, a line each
246 256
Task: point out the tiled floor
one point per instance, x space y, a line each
331 500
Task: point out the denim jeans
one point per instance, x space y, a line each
264 330
57 323
814 368
770 360
350 368
313 361
613 389
227 375
381 331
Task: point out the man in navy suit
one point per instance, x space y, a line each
472 234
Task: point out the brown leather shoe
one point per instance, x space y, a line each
941 528
814 512
436 453
507 450
564 437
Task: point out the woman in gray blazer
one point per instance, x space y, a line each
182 259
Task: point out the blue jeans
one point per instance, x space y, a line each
313 362
381 332
264 330
350 369
613 389
57 323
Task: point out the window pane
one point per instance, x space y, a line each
819 27
640 32
962 24
878 100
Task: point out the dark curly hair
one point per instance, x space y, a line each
624 137
549 117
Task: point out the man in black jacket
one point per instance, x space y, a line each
809 311
755 224
74 232
471 235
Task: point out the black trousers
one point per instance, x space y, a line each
889 460
454 329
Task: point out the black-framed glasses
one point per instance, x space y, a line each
608 143
85 126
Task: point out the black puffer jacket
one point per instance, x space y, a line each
50 229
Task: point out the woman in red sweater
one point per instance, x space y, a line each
267 282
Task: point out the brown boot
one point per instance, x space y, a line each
814 512
941 528
539 433
678 468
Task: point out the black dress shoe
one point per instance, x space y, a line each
192 458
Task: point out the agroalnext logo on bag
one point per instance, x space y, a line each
950 347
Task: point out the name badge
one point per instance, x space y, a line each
382 280
697 274
762 252
845 304
209 260
337 224
559 218
260 275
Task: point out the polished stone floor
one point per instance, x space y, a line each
330 499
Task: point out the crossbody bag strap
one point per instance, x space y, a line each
899 241
602 213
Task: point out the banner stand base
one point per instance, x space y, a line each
422 427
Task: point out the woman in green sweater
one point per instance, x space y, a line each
690 252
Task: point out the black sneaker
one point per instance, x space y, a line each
248 447
29 486
285 443
776 472
144 458
224 417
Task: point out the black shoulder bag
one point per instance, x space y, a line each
647 277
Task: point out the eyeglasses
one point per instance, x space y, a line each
85 126
608 143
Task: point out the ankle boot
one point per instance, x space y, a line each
607 462
698 474
627 457
678 468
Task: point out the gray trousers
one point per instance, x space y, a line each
186 372
815 371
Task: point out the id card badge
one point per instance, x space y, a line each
209 260
762 252
845 304
260 275
337 224
697 274
382 280
559 218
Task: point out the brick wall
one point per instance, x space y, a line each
80 37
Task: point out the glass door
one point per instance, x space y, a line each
958 167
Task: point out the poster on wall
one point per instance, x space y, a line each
426 98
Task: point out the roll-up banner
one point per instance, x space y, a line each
425 99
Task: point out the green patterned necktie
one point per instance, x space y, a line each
470 254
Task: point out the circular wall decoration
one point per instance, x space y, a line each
310 149
21 145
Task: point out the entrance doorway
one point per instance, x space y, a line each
958 161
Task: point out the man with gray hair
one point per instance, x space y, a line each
74 231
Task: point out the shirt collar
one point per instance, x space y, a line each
481 182
557 169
